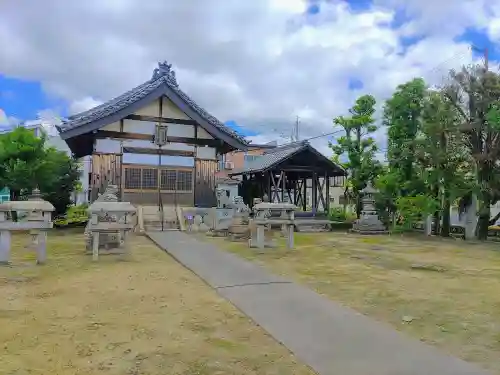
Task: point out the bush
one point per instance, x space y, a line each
412 209
340 215
75 216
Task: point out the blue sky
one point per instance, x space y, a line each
25 99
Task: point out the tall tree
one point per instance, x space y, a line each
402 117
357 146
441 155
475 94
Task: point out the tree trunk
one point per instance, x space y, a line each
445 228
483 221
482 227
437 222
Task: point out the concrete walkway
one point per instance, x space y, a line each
331 339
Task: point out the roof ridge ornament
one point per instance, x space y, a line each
165 70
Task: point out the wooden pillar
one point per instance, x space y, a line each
283 185
196 175
295 182
327 208
269 185
245 189
314 193
304 194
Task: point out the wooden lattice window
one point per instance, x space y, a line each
168 179
149 179
132 178
184 180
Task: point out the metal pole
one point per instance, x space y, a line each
160 203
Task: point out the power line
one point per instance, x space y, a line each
435 68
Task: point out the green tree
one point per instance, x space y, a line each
402 117
441 153
475 94
357 146
21 157
26 163
62 179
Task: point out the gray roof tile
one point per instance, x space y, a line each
161 75
275 156
270 158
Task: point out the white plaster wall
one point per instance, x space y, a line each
145 159
169 109
206 153
203 134
109 145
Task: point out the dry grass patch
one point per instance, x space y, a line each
145 314
445 292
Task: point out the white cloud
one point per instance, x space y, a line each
83 104
258 62
7 121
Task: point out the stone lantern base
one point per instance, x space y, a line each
369 224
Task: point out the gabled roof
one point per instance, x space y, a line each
162 83
273 157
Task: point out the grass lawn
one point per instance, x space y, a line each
456 306
142 315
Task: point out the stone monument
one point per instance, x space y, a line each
239 229
109 224
109 195
368 223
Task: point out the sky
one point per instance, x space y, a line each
256 65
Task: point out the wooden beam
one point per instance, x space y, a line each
100 134
165 120
154 151
146 137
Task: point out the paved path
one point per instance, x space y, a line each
330 338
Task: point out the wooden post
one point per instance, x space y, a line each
304 194
314 193
327 194
283 185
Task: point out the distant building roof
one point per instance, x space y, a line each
272 144
275 156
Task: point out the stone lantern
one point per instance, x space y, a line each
368 223
38 221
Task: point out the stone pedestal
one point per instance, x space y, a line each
37 220
108 227
368 223
263 220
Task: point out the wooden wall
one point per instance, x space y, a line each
204 189
105 170
131 138
141 184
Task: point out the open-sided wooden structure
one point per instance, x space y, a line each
283 173
119 135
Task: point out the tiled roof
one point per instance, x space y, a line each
271 157
162 75
274 156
